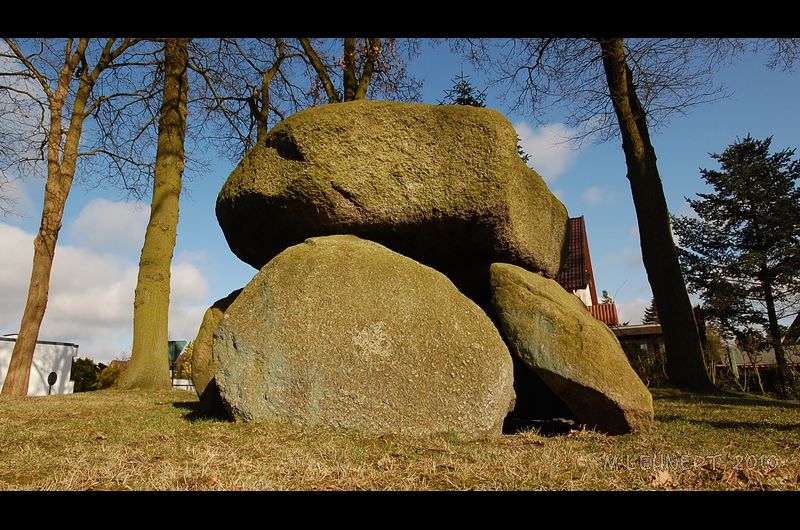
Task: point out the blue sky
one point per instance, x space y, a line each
95 265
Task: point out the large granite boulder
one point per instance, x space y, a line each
203 366
343 332
577 356
443 185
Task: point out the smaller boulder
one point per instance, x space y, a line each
203 366
575 355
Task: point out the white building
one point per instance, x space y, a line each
49 357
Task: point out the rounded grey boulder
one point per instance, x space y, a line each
343 332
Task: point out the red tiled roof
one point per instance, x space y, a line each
573 275
577 270
606 313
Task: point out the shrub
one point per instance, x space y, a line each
109 375
85 372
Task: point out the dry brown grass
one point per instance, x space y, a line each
149 441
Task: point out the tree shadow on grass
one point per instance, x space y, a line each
731 425
723 397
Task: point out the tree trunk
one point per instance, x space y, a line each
149 364
373 51
60 172
262 115
685 364
758 378
734 369
349 69
786 382
44 246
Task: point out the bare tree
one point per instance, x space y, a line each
599 83
685 365
245 85
149 367
612 88
57 81
370 65
782 52
615 88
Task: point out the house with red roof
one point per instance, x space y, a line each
577 275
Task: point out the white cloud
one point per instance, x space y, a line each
15 270
548 147
113 226
91 293
634 259
594 195
633 310
184 320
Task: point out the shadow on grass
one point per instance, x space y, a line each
548 428
722 397
731 425
197 412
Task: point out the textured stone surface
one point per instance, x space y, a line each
344 332
203 366
443 185
577 356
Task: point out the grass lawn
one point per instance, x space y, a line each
153 441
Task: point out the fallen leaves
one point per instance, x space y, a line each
662 478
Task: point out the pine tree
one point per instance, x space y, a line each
521 152
742 252
651 313
463 93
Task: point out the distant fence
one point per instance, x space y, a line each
183 384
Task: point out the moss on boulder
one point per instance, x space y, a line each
443 185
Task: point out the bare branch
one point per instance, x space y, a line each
319 67
24 60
